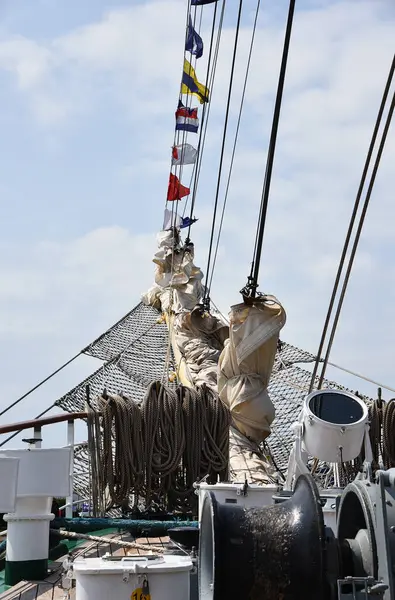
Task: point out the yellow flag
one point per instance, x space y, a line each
191 85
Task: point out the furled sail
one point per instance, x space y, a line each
239 366
197 337
246 363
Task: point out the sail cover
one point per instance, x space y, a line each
197 337
246 363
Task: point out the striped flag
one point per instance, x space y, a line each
187 118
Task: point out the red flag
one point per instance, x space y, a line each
176 190
175 153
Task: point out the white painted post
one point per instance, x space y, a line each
70 442
37 436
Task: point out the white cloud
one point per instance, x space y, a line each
29 61
97 275
61 294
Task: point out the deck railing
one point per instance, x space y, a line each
35 441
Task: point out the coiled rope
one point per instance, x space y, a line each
164 439
152 454
382 432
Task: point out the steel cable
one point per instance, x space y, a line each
350 230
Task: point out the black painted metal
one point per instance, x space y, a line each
186 536
264 553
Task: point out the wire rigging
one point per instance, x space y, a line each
206 298
184 134
234 144
33 389
348 237
206 109
11 437
250 290
357 238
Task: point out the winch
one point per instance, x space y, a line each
286 551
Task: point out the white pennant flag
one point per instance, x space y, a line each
171 220
183 154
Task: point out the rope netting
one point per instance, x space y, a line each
136 352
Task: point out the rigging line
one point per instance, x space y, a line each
190 185
193 62
386 387
11 437
235 141
206 299
208 66
211 86
180 90
206 111
177 136
208 84
353 217
253 280
357 237
33 389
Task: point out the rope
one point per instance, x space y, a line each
206 108
357 238
207 422
93 425
33 389
10 437
389 434
164 439
234 144
250 289
350 229
104 540
121 468
158 450
382 385
206 298
382 433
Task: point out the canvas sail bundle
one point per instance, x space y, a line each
246 363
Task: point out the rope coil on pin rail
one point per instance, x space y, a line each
382 432
156 451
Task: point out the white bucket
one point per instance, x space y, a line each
334 425
232 493
101 579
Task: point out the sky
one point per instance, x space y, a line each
89 91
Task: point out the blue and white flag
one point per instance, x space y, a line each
194 42
187 222
186 118
171 219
